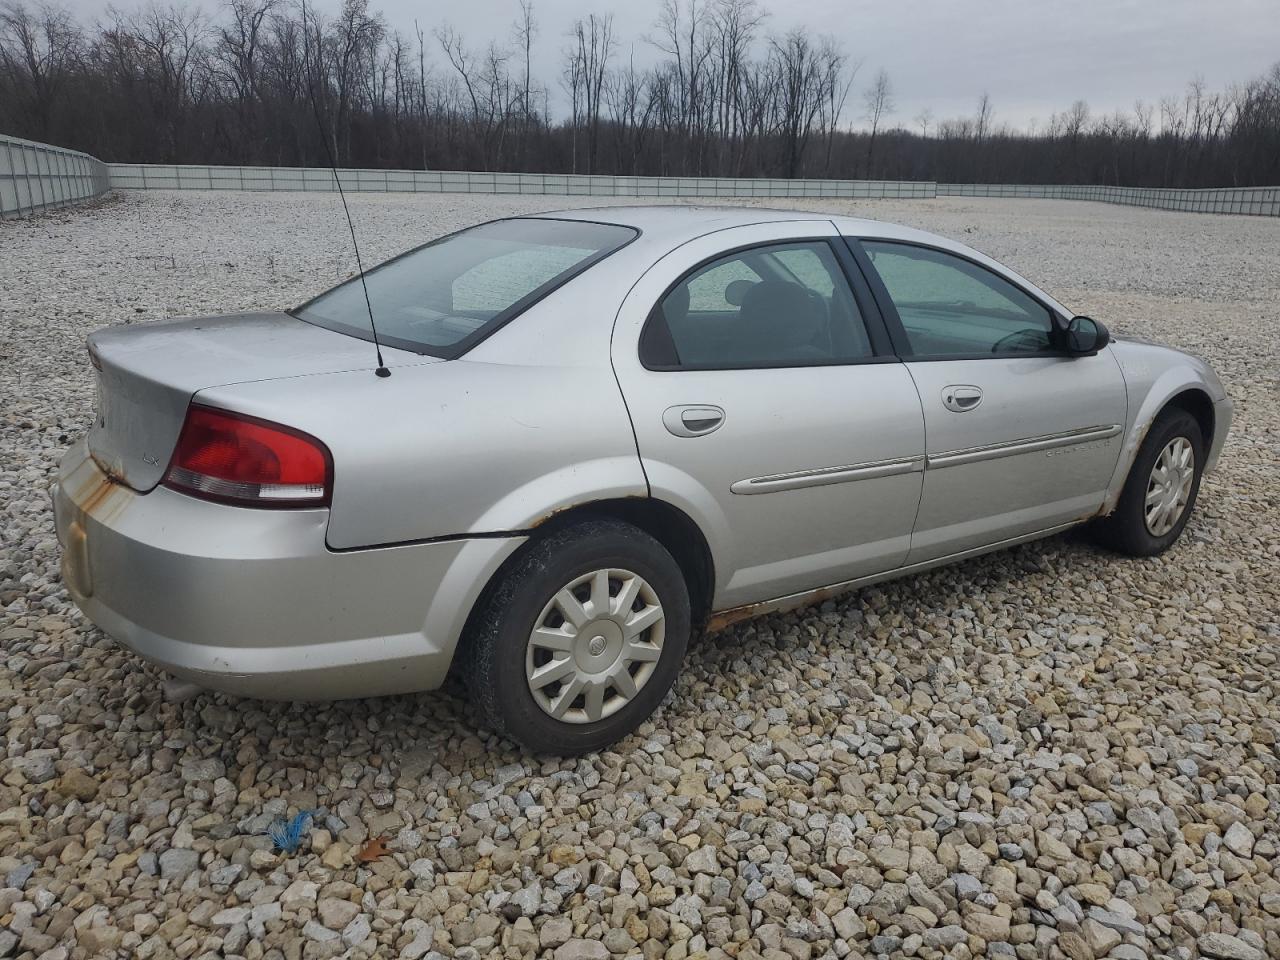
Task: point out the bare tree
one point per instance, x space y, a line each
878 99
838 75
923 119
487 87
585 72
1142 113
682 35
421 92
237 54
38 52
805 82
630 111
982 121
734 26
525 29
162 51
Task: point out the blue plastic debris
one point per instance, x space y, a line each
287 834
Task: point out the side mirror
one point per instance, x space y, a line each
1085 336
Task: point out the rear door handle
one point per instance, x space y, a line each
961 397
692 420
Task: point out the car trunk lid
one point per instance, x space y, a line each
147 375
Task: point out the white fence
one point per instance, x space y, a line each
34 176
150 176
1259 201
1255 201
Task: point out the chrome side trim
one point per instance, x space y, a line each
934 461
725 618
1011 448
826 475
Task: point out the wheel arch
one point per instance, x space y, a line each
666 523
1195 401
1191 397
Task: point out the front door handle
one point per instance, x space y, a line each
961 397
692 420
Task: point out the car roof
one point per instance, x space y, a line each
670 225
678 222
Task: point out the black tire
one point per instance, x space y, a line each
1125 530
496 647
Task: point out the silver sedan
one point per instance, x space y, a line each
593 434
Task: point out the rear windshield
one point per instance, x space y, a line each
444 297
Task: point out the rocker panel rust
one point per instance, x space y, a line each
726 618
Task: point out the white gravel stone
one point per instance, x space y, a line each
230 917
313 930
1239 839
210 768
336 914
176 864
357 931
1222 946
582 950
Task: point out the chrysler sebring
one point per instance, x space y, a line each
593 434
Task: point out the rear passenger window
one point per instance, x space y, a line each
778 305
950 306
708 290
807 269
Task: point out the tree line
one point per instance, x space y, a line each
279 82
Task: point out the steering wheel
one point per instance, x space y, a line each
1028 336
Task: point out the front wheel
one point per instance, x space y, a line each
581 639
1161 489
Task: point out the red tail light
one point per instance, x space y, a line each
238 459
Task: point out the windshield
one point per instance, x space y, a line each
443 298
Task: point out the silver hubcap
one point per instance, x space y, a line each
594 646
1169 488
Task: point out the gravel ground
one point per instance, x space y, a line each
1048 752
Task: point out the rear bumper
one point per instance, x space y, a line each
252 602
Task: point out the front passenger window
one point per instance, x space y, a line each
771 306
952 307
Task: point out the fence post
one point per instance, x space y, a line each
13 172
39 179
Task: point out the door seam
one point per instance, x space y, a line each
924 452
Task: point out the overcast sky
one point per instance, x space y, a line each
1034 57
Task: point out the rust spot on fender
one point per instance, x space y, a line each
568 507
1142 434
548 517
1129 452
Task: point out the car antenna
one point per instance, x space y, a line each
381 369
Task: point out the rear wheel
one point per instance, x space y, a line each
581 639
1161 489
